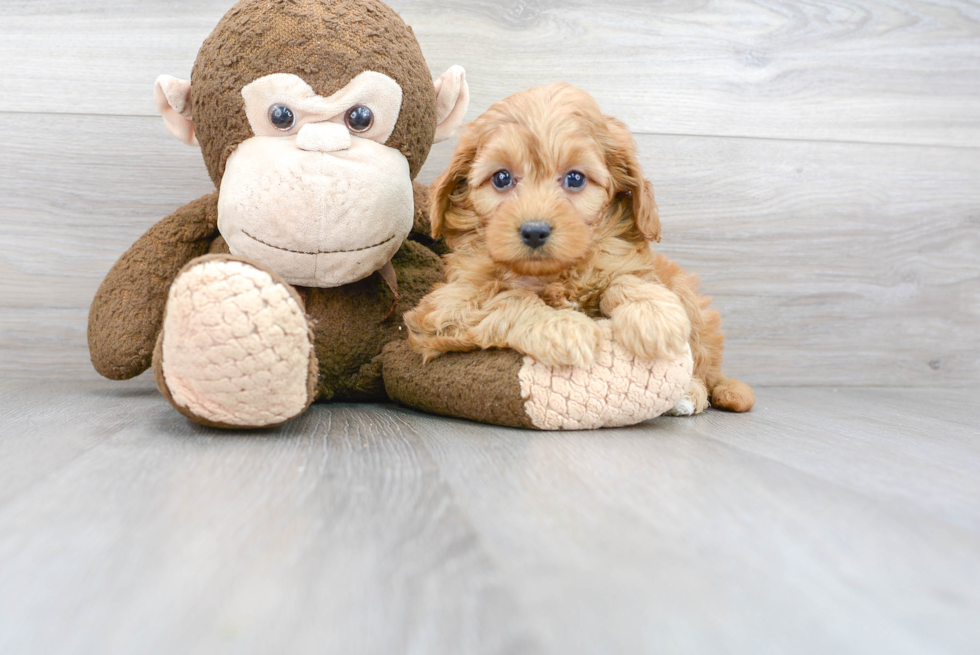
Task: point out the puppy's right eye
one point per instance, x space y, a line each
502 180
575 181
282 117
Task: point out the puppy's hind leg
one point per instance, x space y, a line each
732 395
695 400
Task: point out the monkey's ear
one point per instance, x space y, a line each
173 101
452 101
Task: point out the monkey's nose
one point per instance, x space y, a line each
323 137
535 233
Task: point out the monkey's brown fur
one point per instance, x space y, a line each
597 262
314 39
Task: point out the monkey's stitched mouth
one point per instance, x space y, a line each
318 252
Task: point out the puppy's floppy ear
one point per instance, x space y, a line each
628 177
451 182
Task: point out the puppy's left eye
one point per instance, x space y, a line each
502 180
575 181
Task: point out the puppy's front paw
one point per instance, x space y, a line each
563 338
652 330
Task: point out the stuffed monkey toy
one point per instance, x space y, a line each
288 283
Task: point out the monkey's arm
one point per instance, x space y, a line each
503 387
422 228
127 311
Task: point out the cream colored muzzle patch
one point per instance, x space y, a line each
323 137
318 219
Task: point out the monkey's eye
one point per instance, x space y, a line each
359 119
282 117
575 181
502 180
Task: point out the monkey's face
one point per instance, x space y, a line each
313 118
315 195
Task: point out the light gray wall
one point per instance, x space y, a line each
818 164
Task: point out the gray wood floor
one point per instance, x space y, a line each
817 163
826 521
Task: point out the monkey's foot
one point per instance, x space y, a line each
236 349
506 388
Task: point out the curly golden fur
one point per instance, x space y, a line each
506 289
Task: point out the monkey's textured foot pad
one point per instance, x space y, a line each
504 387
236 349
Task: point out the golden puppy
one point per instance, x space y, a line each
550 221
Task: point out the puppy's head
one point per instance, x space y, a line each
539 179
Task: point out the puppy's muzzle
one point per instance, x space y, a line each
535 234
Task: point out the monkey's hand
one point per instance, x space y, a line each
127 311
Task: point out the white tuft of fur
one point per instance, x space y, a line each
236 346
683 408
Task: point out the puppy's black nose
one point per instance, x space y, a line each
535 233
